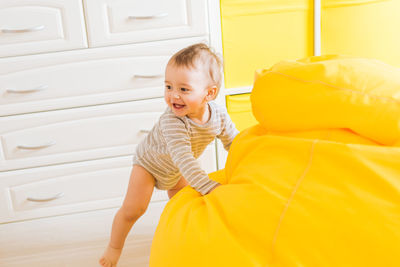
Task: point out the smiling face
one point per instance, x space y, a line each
187 91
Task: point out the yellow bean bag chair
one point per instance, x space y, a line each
315 183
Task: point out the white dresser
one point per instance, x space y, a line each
81 83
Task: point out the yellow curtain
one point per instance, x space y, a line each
257 34
362 28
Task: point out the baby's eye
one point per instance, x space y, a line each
168 87
184 89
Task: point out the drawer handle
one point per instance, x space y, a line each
139 76
32 29
156 16
33 90
33 147
144 131
57 196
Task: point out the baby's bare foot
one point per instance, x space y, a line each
110 257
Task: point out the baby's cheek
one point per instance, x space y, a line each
166 98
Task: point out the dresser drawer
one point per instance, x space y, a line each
119 21
70 135
35 26
74 187
55 190
61 189
81 78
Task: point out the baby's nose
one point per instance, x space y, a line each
177 96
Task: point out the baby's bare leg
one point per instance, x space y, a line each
181 184
140 189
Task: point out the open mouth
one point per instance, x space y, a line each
177 106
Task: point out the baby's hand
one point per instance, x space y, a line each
110 257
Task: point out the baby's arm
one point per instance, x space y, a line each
228 132
179 148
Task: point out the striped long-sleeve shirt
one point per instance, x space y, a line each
171 148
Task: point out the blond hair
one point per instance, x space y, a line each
200 53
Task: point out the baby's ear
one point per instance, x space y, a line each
211 93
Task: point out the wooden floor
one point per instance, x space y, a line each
74 240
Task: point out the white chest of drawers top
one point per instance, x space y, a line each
38 26
96 71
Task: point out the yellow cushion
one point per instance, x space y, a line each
288 201
328 92
335 135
